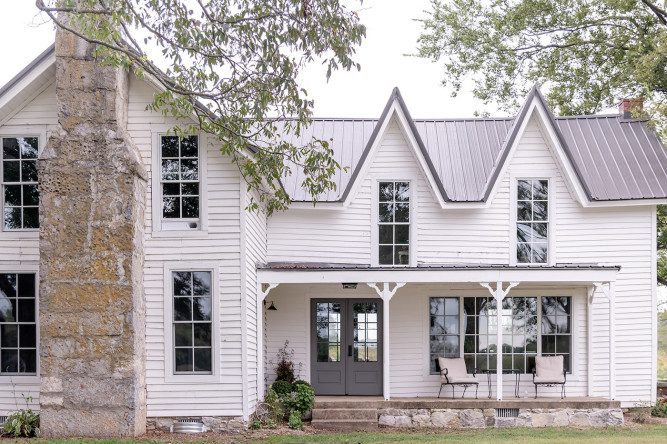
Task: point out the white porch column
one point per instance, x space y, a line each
589 337
386 294
612 340
499 294
261 297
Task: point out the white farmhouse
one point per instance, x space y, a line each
494 240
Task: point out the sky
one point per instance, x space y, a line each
391 33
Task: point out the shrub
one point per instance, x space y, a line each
660 409
300 381
295 421
281 388
271 410
285 366
300 400
23 422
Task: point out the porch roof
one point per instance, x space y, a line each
320 272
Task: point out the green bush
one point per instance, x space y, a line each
281 388
660 409
23 422
295 420
300 381
300 400
285 367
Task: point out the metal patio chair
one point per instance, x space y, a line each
550 371
453 372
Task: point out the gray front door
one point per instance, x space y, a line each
346 346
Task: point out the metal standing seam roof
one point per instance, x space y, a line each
614 158
314 266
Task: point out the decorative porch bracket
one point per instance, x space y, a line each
609 290
499 294
385 294
262 291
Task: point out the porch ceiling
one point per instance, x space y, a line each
299 273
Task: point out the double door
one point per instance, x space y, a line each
346 346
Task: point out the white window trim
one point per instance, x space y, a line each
169 375
9 379
156 189
551 208
20 131
574 293
375 185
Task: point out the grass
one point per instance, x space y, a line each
636 434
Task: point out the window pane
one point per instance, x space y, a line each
182 309
27 361
10 148
29 171
402 212
190 189
29 147
7 310
183 358
541 189
563 344
437 345
548 344
27 335
402 191
452 325
170 189
169 146
202 282
11 171
523 232
539 232
386 233
9 335
524 190
202 333
523 253
30 195
201 309
524 211
386 212
203 360
437 306
386 255
183 335
452 346
10 361
26 310
169 169
13 195
539 253
402 256
452 306
540 210
386 191
190 207
171 207
402 234
189 147
31 217
189 169
437 325
182 283
323 352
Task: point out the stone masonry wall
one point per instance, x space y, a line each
92 186
483 418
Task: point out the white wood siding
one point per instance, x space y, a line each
19 252
608 236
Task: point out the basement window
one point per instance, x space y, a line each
20 194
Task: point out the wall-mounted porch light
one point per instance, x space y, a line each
271 307
349 285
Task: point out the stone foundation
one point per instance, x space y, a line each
486 418
230 424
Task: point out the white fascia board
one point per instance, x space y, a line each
562 276
301 205
27 80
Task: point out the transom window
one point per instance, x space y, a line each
20 195
522 337
532 221
180 177
18 325
394 223
192 322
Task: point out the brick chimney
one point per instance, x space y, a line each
629 107
92 185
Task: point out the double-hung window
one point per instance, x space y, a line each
532 221
192 322
20 195
394 223
18 324
180 181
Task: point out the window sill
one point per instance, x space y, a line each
191 234
19 379
20 234
191 379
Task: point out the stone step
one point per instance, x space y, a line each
346 425
346 413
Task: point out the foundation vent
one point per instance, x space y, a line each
188 426
507 413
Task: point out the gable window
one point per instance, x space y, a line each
532 221
394 223
18 325
180 179
192 322
444 336
20 195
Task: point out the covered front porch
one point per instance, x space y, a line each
417 314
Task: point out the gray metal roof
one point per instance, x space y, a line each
305 266
613 158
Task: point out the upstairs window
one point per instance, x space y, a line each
394 223
20 195
532 221
18 324
180 178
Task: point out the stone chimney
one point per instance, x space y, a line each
628 107
92 185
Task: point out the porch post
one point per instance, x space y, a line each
385 294
589 337
499 294
261 297
612 340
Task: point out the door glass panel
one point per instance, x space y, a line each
328 332
365 331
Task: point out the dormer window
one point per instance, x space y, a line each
532 221
394 223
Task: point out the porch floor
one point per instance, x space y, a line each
369 402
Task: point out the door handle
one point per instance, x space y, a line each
349 350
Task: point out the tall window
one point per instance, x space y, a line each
556 328
394 223
532 221
480 324
20 196
18 326
192 322
180 177
444 329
